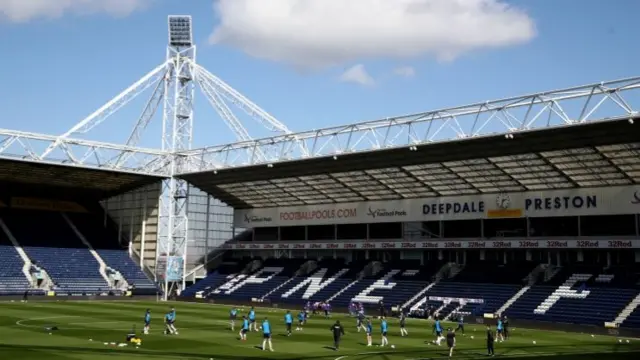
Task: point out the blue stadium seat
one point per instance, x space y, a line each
12 279
105 241
51 244
302 288
578 295
223 273
246 286
493 295
122 262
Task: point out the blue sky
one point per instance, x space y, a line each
60 64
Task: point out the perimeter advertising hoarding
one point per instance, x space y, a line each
440 244
570 202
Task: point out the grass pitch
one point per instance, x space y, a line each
85 327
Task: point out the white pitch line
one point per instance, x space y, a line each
32 326
20 322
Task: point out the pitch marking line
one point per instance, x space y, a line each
21 322
33 326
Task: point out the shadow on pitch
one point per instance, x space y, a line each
428 353
602 352
126 351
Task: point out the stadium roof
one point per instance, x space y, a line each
81 181
605 153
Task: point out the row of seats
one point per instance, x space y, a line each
51 244
579 294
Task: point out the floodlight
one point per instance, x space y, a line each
180 31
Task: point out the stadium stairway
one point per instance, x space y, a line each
117 263
630 316
103 266
17 272
53 246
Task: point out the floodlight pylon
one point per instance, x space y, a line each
177 136
174 83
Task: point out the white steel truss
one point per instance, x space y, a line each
595 102
28 146
177 135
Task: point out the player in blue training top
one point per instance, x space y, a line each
233 314
252 320
147 321
301 317
383 330
288 320
168 323
499 331
460 324
266 332
245 328
437 328
173 321
369 330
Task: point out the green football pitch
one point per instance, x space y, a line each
86 330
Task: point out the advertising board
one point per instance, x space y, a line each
569 202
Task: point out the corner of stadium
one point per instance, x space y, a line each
534 230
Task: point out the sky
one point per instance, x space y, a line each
309 63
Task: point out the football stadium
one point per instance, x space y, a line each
507 228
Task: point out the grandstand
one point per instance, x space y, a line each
541 226
57 239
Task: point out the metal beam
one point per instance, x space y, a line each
594 102
27 146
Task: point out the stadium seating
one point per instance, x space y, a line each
105 242
12 280
576 294
307 287
225 272
486 286
50 243
256 284
403 285
343 282
121 261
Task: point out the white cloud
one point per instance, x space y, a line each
405 71
357 74
25 10
320 33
